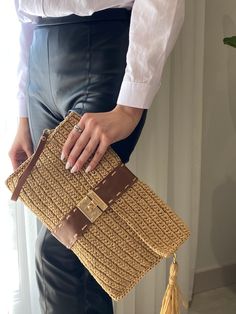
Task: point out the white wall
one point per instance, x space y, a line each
217 220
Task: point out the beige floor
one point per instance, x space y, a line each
218 301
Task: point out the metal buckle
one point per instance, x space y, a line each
92 206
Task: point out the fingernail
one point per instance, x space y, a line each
68 165
89 168
62 157
74 169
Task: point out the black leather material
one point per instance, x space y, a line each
80 67
75 64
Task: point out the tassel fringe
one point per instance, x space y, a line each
173 296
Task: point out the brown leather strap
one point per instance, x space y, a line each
71 227
116 183
28 169
79 219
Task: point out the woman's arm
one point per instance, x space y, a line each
154 28
22 146
25 39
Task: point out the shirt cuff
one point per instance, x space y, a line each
139 95
22 112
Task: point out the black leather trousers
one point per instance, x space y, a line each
76 63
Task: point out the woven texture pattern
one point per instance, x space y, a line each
127 240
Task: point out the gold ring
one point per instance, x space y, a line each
78 128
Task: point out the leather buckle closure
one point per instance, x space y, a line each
92 206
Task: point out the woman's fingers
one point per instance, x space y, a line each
70 142
83 149
22 146
17 157
97 156
87 152
75 146
81 143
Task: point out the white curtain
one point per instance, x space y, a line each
17 226
168 157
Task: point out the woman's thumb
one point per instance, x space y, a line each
29 151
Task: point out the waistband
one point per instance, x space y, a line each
107 14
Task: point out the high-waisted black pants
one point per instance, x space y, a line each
75 63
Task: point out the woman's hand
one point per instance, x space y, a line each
22 146
99 130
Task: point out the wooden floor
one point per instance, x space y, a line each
217 301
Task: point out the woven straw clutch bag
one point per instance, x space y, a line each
117 226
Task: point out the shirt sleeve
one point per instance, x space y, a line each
154 28
25 39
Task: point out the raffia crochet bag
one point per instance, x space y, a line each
116 225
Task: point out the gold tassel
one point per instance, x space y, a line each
173 296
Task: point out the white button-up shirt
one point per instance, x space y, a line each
154 27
